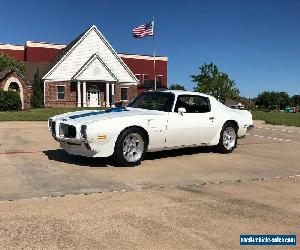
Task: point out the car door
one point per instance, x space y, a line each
194 127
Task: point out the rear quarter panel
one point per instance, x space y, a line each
223 114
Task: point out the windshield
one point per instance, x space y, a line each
161 101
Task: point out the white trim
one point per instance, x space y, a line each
78 94
16 80
45 45
144 57
11 47
107 95
84 103
44 93
127 84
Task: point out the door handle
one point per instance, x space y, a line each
211 118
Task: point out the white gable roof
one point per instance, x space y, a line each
95 69
90 43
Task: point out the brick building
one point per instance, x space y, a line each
86 73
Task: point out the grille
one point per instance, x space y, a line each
53 128
67 131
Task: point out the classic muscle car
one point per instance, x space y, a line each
153 121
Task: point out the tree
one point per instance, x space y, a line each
283 99
273 100
177 86
213 82
8 61
37 99
295 100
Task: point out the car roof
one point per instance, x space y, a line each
183 92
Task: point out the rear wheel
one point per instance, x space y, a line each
130 147
228 138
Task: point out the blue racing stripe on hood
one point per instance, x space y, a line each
99 112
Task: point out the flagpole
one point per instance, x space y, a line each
154 56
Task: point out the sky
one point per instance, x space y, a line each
256 42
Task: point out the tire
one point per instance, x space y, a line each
228 138
130 147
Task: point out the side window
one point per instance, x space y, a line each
145 76
124 94
193 103
60 92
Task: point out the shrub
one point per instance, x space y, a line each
10 100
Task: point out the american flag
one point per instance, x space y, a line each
143 30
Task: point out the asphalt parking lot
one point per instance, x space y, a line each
184 199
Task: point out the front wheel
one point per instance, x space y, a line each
130 147
228 138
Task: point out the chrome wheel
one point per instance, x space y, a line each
229 138
133 147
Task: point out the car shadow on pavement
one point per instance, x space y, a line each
61 156
178 152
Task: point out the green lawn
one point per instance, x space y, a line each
278 118
35 114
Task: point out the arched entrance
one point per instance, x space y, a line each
14 84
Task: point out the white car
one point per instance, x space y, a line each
153 121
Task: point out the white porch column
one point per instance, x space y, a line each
84 94
113 95
107 95
78 94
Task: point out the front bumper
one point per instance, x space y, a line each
82 149
250 127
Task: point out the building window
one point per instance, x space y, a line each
159 79
145 76
60 92
124 94
138 76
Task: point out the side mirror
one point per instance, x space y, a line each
181 111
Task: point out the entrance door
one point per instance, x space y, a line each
93 96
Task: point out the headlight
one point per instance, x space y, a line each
83 132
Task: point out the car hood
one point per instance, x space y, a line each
87 116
